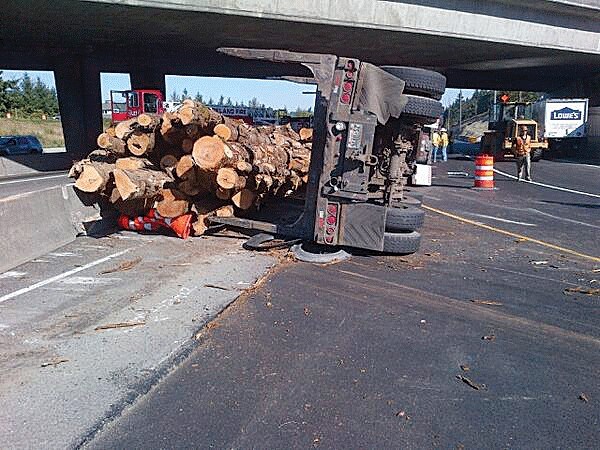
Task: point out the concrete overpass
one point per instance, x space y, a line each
504 44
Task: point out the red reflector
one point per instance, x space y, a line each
330 230
345 98
347 86
349 75
332 209
331 220
329 239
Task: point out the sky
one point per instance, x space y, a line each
273 93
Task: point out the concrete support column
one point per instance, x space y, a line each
79 99
146 78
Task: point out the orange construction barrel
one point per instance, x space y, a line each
484 172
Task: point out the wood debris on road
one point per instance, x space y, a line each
110 326
486 302
54 362
582 290
471 383
125 265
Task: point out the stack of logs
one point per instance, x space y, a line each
194 160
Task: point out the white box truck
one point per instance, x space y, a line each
563 123
565 118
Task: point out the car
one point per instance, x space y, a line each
15 145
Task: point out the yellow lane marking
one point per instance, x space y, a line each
511 234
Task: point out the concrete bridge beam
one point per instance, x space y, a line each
79 99
147 78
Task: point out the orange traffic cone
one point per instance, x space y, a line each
152 221
182 225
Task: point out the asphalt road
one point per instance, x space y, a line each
475 342
32 183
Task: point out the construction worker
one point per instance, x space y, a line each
444 140
436 140
522 149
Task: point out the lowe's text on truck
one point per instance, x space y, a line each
565 118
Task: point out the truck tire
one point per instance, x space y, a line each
419 81
401 243
536 154
404 218
409 200
421 110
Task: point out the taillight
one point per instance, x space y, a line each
332 223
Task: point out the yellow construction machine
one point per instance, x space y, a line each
506 119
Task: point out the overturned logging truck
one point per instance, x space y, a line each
353 165
367 139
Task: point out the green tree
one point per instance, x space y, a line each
199 97
7 94
174 96
184 94
221 100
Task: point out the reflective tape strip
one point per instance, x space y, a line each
490 167
484 178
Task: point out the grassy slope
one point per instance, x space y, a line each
49 132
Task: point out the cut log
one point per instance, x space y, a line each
130 163
148 121
222 131
244 166
124 129
225 211
94 177
139 143
227 178
197 113
172 203
244 199
210 152
306 134
140 183
185 165
111 143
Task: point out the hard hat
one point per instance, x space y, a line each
443 129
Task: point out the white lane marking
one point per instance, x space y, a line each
499 219
12 274
23 180
90 281
512 208
594 166
578 222
27 194
61 254
549 186
60 276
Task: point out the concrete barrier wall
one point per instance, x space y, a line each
38 222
